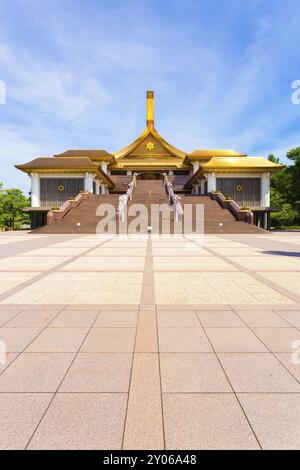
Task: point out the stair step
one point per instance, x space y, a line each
147 192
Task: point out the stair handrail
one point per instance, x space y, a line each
233 206
169 187
62 211
123 199
174 199
131 186
177 207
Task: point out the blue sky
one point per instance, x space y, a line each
76 73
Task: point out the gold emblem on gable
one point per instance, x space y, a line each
150 145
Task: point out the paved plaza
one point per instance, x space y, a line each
150 342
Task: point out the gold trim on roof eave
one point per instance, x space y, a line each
142 156
211 153
202 160
110 160
239 169
47 171
143 163
148 165
58 170
149 160
93 159
99 159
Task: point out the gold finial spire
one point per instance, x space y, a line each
150 108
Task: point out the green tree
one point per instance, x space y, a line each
282 181
294 172
294 154
286 216
285 189
12 201
277 199
273 159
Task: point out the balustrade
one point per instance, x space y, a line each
123 200
174 199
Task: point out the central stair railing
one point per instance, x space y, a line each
174 199
123 200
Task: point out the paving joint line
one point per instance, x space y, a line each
285 292
19 353
234 392
270 351
60 383
45 273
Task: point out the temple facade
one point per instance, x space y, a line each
59 178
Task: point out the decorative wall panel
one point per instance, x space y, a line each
55 191
245 191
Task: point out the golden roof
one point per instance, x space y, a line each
233 165
93 154
210 153
41 163
65 165
242 163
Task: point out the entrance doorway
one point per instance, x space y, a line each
150 176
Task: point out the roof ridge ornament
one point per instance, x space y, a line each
150 109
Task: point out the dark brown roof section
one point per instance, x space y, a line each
193 179
57 163
93 154
65 165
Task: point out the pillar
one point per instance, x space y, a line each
97 186
202 186
265 190
88 182
103 189
195 166
128 172
171 173
211 182
265 195
35 190
197 188
104 167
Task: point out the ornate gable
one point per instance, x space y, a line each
150 149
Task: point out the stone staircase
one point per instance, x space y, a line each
85 214
214 214
147 193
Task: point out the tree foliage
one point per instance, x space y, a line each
285 190
12 201
272 158
286 216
